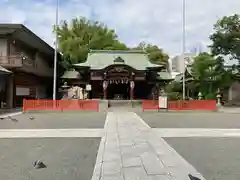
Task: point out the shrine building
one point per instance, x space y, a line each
118 74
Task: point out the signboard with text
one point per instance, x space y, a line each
88 87
162 102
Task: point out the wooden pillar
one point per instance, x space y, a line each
10 92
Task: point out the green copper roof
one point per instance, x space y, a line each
188 71
164 75
71 75
102 58
178 77
188 75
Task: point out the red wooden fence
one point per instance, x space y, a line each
181 105
60 105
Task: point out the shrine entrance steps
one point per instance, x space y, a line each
124 105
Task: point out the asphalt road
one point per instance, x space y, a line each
65 158
191 120
59 120
214 158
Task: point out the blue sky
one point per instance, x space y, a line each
154 21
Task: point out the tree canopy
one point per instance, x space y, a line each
203 67
226 38
209 74
156 55
80 35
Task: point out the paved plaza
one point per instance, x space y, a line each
65 158
208 141
56 120
120 145
207 120
67 143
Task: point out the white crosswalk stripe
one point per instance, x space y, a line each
44 133
196 132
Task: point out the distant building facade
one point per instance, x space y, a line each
118 74
178 62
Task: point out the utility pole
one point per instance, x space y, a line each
55 54
183 43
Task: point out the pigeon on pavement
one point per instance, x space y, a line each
12 119
39 164
31 118
193 177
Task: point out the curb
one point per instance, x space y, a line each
10 114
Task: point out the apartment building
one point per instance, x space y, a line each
178 62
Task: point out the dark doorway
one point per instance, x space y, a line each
118 91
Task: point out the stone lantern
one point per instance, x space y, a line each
200 96
64 90
218 97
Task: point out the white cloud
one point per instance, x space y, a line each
155 21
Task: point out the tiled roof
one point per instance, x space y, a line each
71 75
164 75
4 70
101 59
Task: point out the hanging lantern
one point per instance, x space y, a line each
132 84
105 85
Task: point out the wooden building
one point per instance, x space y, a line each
30 60
116 74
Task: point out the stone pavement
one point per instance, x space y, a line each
130 150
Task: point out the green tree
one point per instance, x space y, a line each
156 55
80 35
226 38
209 74
203 71
174 90
224 77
